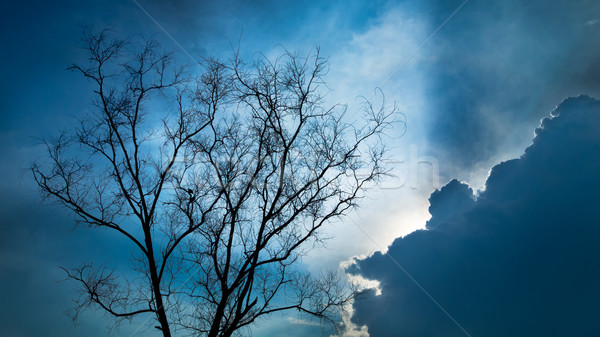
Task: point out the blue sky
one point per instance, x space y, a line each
472 96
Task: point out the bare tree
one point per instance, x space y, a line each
220 196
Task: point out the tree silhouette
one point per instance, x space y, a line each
221 195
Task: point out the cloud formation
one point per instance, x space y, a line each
519 259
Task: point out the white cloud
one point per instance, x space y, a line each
349 329
300 321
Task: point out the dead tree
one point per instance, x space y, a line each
220 195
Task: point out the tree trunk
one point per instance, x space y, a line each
160 309
161 313
216 324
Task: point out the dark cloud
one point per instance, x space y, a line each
520 260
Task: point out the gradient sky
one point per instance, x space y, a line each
472 88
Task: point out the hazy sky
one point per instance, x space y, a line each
472 78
